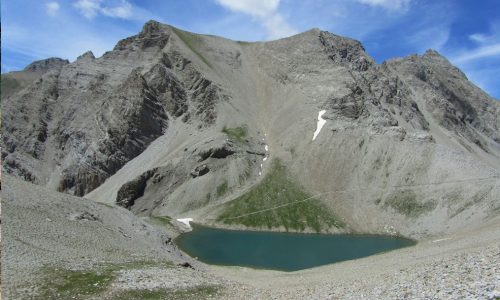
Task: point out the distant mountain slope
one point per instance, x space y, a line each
174 123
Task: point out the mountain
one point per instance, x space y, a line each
172 123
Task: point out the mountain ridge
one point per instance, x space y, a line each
159 102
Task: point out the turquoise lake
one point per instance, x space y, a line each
281 251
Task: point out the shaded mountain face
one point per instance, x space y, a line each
76 125
170 122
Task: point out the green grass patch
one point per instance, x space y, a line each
197 293
277 189
83 284
236 133
222 189
160 220
193 42
71 284
142 264
405 202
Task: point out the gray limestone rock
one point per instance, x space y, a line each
171 101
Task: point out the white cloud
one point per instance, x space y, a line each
488 46
481 62
277 27
391 5
478 53
430 37
88 8
266 12
256 8
91 8
52 8
123 11
478 37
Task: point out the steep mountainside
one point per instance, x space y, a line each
179 124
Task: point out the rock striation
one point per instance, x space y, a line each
170 122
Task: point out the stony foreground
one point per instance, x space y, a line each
57 246
463 266
474 275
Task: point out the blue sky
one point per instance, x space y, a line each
465 31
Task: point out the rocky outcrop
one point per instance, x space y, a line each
454 102
217 152
81 122
134 189
153 34
44 65
347 52
200 171
86 55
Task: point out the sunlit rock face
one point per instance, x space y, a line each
170 122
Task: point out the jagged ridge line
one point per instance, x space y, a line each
352 190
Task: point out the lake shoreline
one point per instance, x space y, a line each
282 251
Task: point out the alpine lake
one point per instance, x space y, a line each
280 250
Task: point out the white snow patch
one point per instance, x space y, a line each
264 159
186 221
266 147
260 173
321 123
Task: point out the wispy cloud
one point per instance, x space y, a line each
430 37
390 5
481 61
91 8
486 46
20 40
123 11
52 8
484 51
429 27
265 12
256 8
277 27
88 8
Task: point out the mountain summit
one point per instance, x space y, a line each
175 123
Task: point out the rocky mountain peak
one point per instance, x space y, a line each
345 50
153 34
313 31
86 55
432 53
153 27
156 102
44 65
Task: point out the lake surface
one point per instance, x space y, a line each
281 251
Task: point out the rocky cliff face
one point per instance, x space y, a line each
79 123
174 123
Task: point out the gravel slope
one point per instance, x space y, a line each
43 229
